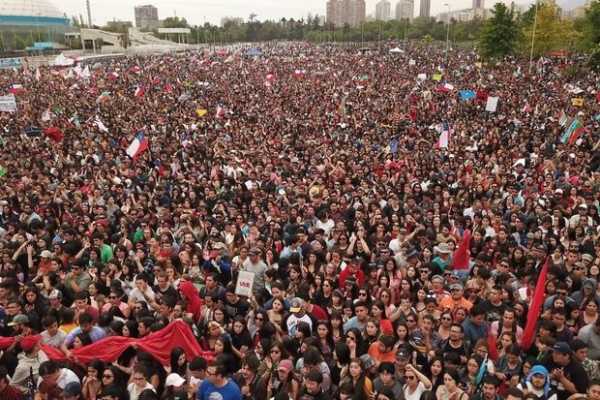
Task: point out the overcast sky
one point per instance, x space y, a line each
197 11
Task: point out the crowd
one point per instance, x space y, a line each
317 172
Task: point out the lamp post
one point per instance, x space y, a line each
533 36
447 34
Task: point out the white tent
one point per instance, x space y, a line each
396 50
62 61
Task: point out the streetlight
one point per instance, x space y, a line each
533 36
447 34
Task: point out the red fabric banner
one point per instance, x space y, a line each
159 344
462 255
535 308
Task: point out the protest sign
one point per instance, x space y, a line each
244 284
8 103
492 104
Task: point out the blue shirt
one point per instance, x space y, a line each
96 334
208 391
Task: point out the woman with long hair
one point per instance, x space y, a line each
240 336
178 362
337 326
357 376
325 340
450 390
272 357
92 382
356 343
436 372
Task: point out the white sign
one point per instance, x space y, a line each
412 62
422 77
8 103
492 104
244 285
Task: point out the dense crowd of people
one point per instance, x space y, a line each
317 173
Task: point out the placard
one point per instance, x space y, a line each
8 103
244 284
492 104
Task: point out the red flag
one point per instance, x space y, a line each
535 308
55 134
492 347
462 255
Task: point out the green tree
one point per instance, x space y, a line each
550 30
175 22
591 25
500 32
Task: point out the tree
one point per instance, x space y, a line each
591 25
500 32
175 22
551 32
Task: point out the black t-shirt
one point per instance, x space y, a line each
573 372
493 312
240 308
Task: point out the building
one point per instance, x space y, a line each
425 10
405 9
478 4
383 10
146 18
342 12
27 22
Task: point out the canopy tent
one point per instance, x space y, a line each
396 50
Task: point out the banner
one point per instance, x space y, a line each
577 102
8 63
244 284
492 104
8 103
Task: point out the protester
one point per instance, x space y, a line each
358 225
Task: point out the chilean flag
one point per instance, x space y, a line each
444 138
138 146
16 89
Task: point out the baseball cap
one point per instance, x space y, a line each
19 319
296 305
72 389
456 286
367 361
285 365
562 347
174 379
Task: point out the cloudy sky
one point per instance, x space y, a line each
198 11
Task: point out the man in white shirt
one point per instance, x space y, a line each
52 376
142 292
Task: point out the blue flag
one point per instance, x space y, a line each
467 95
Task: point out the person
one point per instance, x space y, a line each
593 393
53 380
72 391
514 394
217 385
139 383
7 390
29 362
387 380
568 376
537 384
86 326
489 389
311 388
416 383
450 389
590 335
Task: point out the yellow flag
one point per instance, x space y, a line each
577 102
201 112
437 77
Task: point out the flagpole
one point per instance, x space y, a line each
533 36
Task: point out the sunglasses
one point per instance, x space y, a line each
107 376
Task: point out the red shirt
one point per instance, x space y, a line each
318 313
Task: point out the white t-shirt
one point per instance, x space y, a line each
66 376
134 391
416 395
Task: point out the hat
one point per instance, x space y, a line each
456 286
442 249
19 319
367 361
438 278
46 254
587 257
558 191
55 294
72 389
174 379
562 347
285 365
296 305
402 355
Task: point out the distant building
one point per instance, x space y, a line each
383 10
425 10
146 18
342 12
405 9
465 15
